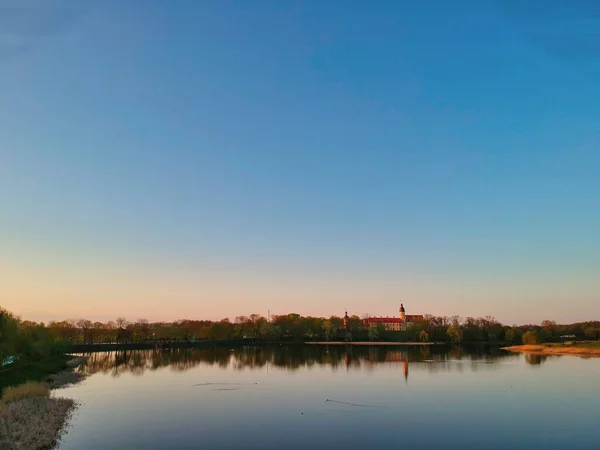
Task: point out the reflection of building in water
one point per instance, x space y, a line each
400 323
393 357
397 356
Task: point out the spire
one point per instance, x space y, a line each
401 307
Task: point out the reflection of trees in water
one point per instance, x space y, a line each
293 357
535 360
138 361
475 359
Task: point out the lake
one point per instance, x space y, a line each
335 397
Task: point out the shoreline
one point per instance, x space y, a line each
549 350
32 415
22 372
409 344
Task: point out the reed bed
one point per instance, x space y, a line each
34 423
30 389
29 418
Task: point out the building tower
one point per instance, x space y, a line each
402 315
346 318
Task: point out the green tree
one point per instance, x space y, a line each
510 335
455 334
269 331
592 333
221 330
531 338
373 333
330 329
8 334
424 336
142 329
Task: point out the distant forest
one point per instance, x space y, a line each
38 339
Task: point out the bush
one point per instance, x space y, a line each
39 350
531 338
26 390
61 347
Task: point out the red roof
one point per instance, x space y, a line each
414 316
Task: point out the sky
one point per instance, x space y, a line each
209 159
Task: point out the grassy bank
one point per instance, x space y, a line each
32 371
583 349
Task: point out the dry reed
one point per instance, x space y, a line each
25 390
34 423
29 418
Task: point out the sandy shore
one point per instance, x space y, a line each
555 350
373 343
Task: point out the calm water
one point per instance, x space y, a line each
380 397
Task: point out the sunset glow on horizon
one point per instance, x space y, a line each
293 157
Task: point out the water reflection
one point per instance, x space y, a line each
297 397
535 360
297 357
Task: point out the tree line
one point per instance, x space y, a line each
41 338
28 340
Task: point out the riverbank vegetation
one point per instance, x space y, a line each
294 327
24 371
28 351
25 340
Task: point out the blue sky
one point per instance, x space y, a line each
216 158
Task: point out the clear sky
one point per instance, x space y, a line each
203 159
